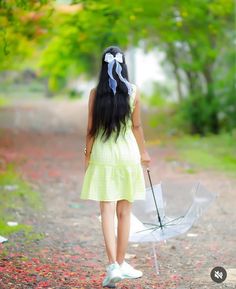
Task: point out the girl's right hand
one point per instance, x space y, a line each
145 159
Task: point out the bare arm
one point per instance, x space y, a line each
89 139
138 131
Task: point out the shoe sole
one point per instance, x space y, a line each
116 279
112 282
129 277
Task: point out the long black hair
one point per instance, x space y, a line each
110 112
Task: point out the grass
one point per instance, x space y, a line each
4 101
15 196
7 230
211 152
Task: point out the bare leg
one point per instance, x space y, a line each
108 228
123 210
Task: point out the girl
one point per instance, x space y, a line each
114 154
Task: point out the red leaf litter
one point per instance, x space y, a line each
70 256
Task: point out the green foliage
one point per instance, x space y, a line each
197 112
225 89
79 38
23 26
74 94
196 36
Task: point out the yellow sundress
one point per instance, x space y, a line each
114 171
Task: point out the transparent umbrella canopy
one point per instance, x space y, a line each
170 209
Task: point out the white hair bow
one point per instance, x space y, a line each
111 59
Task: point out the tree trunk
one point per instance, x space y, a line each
173 59
196 121
213 121
48 93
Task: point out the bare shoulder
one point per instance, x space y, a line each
93 92
92 95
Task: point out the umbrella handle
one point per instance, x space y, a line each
155 201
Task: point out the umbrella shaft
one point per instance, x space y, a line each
158 215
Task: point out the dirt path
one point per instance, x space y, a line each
47 140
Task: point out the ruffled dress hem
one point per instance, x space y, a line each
113 182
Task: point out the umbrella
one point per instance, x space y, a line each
170 209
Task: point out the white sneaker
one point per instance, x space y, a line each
128 271
113 275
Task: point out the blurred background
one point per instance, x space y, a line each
181 54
